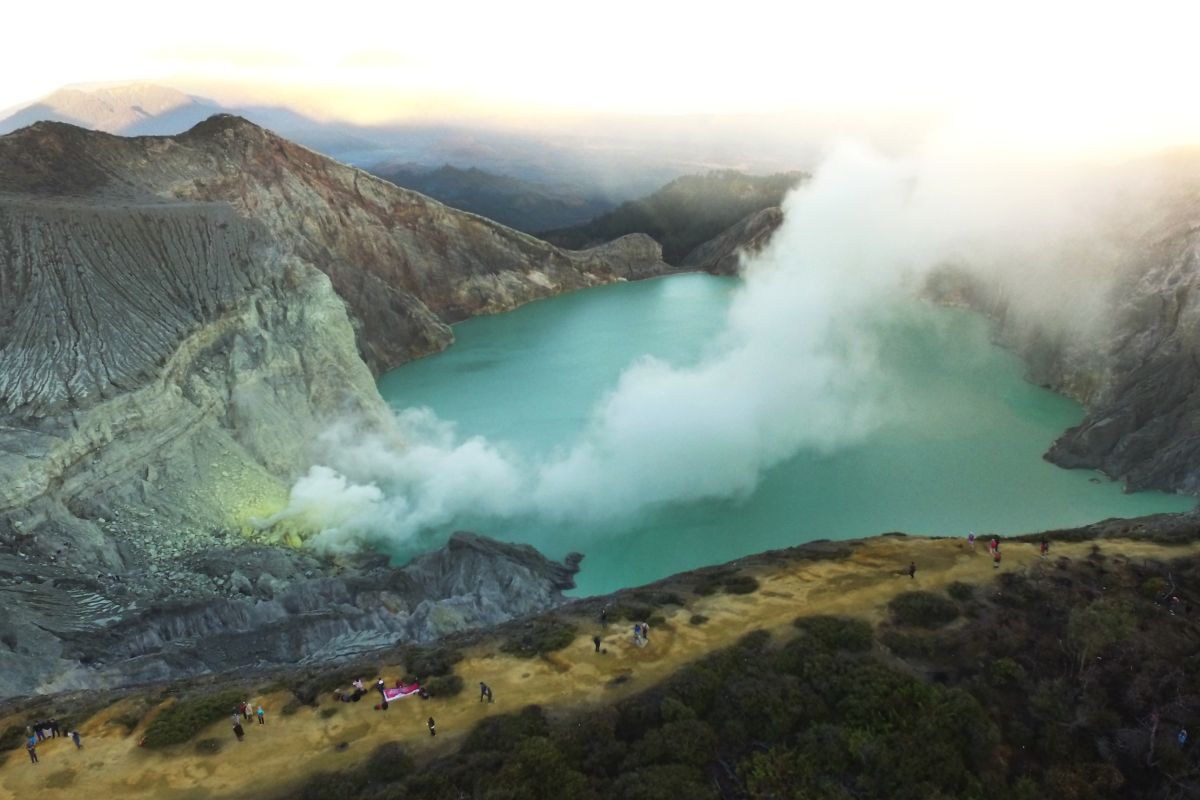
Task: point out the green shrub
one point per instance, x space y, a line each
12 738
910 644
180 722
390 762
327 712
837 633
444 686
425 661
1154 588
923 609
505 732
740 584
332 786
963 592
290 707
698 619
542 635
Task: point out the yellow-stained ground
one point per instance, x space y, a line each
283 752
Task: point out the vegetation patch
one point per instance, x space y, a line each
542 635
698 619
443 686
427 661
181 721
923 609
962 592
837 633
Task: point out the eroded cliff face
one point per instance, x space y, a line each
406 265
180 317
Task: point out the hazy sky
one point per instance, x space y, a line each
1054 71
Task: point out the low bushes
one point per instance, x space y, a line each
542 635
181 722
837 633
923 609
428 661
443 685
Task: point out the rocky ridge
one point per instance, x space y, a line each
180 317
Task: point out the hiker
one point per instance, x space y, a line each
53 728
75 739
912 569
262 715
1045 548
380 686
31 746
238 730
996 558
358 684
596 641
485 691
993 545
604 616
637 634
971 540
1182 737
645 633
39 731
237 718
432 727
242 709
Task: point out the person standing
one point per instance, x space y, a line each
75 739
912 569
432 727
238 730
1045 548
262 715
645 633
596 641
996 558
971 540
31 746
485 691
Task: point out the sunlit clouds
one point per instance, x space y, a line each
1044 75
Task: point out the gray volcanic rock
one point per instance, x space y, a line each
180 318
1143 422
302 609
722 255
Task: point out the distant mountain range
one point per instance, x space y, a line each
594 167
525 205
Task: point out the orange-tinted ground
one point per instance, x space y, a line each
279 755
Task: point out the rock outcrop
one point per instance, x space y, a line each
722 255
267 606
180 317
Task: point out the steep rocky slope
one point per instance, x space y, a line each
179 319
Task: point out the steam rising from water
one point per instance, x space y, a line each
796 366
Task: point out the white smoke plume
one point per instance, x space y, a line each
796 366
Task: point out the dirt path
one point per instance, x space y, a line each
281 753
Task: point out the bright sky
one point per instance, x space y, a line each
1054 71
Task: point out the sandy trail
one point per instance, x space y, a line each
280 754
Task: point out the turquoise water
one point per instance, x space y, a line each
961 449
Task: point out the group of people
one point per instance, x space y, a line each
245 710
39 732
641 634
994 548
